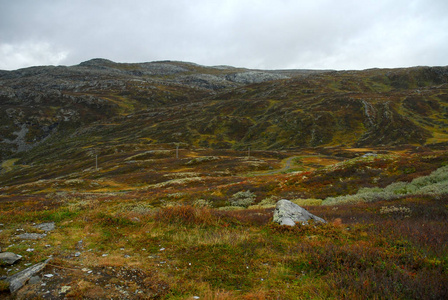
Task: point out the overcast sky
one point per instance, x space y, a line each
265 34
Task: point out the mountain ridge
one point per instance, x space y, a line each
224 107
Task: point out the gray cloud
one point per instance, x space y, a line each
344 34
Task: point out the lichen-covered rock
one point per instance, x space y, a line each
289 213
9 258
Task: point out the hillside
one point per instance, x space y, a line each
159 181
221 107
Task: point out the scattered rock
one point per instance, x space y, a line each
46 226
77 254
21 278
9 258
34 280
79 245
289 213
64 289
31 236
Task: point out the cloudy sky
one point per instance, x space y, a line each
265 34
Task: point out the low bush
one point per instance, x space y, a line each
186 215
435 184
242 199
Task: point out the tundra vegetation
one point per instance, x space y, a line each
155 200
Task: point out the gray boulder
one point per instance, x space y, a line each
9 258
289 213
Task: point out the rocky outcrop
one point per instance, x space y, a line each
254 77
21 278
289 213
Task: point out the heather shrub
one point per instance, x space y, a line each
242 199
267 202
307 202
436 189
185 215
365 196
397 188
435 184
396 210
202 203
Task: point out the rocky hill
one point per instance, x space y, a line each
100 101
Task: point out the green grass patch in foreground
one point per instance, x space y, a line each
364 252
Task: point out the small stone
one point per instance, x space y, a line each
79 245
77 254
46 226
127 256
48 275
104 255
34 280
196 297
162 249
64 289
30 249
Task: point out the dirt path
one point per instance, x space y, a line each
285 168
305 163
